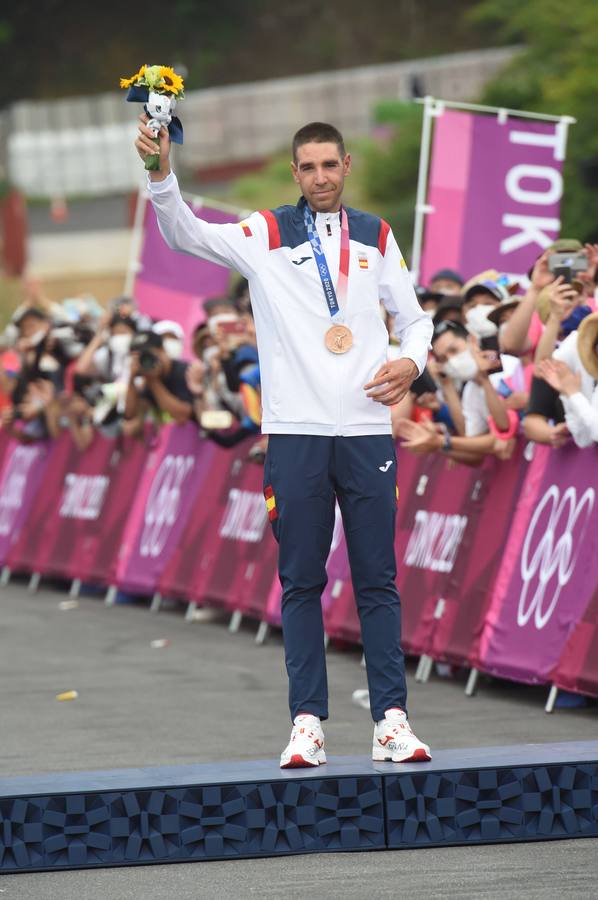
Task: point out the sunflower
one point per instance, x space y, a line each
170 82
127 82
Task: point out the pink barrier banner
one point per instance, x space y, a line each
468 589
173 285
23 470
230 528
33 551
549 569
75 525
169 492
77 522
435 512
577 669
495 189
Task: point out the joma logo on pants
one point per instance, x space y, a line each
434 541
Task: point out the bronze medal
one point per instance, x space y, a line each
338 339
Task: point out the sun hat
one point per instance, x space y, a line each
587 339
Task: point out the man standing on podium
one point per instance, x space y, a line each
317 273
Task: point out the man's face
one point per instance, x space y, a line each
445 286
320 172
448 345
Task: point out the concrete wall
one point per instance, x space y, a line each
84 145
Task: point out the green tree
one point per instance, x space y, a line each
557 74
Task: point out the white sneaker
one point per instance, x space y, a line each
395 742
306 746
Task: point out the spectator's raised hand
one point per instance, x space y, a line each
590 275
563 299
419 437
559 376
194 376
541 274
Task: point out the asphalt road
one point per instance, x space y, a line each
210 695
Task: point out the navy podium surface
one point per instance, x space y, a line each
229 810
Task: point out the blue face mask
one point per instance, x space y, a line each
572 322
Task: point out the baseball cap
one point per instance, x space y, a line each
168 326
447 275
445 304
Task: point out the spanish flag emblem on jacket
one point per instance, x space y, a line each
270 503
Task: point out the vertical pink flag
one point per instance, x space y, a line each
494 190
172 285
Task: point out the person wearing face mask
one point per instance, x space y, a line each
485 412
458 352
157 381
43 361
481 296
173 337
106 356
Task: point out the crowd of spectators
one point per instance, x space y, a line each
80 367
508 358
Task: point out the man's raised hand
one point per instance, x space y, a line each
146 146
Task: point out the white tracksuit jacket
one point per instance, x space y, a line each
306 389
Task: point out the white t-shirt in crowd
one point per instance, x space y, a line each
473 400
581 409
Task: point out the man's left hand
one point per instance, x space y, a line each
392 381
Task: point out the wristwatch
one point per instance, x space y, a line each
447 444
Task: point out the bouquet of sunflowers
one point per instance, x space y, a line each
159 88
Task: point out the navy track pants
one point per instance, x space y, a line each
303 474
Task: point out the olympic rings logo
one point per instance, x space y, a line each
162 506
547 566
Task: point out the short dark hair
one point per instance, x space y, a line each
447 325
318 133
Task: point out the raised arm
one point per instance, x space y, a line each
234 245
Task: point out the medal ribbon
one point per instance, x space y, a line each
340 295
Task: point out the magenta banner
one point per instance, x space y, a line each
494 193
549 569
436 514
24 468
227 555
175 470
172 285
577 669
462 610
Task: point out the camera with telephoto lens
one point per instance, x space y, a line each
148 361
145 344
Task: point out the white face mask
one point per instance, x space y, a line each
119 344
429 312
462 366
478 323
173 347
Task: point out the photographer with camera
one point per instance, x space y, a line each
566 258
157 382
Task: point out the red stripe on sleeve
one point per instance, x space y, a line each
383 236
273 230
